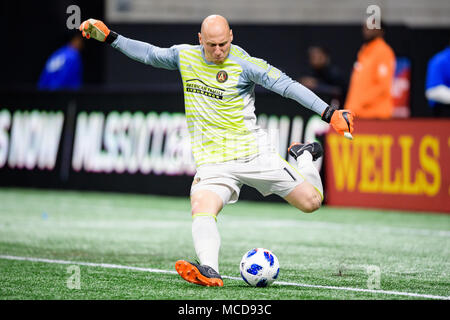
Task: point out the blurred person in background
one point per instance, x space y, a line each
324 77
369 95
437 86
64 68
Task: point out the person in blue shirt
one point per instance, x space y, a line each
437 87
63 69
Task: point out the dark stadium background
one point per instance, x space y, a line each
33 30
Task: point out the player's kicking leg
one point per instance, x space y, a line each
205 207
307 196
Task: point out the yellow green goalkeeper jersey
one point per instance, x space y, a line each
219 99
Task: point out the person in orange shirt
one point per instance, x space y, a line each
369 95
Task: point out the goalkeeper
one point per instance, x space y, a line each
228 147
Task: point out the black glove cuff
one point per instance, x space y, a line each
111 37
328 113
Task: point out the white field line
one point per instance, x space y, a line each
282 283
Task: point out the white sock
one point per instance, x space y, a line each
206 240
309 170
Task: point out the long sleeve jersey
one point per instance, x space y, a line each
219 99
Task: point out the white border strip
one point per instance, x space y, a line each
115 266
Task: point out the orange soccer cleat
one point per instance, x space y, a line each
199 274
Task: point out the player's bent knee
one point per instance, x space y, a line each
309 205
313 203
305 198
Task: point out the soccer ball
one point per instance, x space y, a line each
259 267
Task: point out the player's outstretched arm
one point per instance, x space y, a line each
166 58
340 120
275 80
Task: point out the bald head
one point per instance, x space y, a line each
215 24
215 36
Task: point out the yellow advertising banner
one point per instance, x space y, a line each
396 164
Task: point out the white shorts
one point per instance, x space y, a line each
268 173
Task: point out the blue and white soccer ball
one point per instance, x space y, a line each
259 267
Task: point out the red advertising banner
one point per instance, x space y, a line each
394 164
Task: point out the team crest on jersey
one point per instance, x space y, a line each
222 76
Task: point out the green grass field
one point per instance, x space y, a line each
133 241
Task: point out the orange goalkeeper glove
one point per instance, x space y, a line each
97 30
340 120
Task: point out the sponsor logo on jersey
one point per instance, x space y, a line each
199 87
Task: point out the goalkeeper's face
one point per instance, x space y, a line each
216 37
